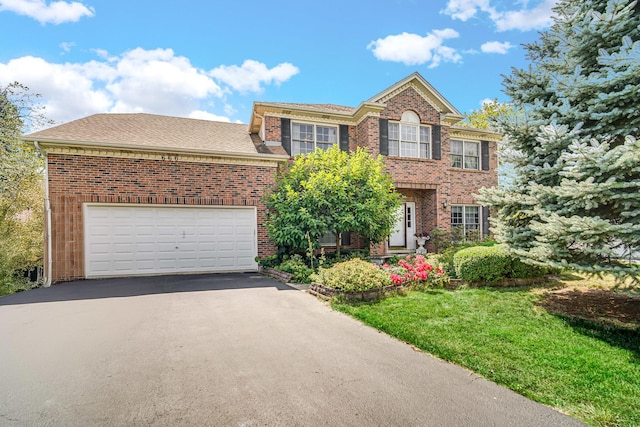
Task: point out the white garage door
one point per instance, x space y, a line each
138 240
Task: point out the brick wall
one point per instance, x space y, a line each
272 129
74 180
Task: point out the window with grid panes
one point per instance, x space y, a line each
465 154
306 138
409 140
466 217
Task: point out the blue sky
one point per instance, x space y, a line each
212 59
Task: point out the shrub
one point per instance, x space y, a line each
520 270
491 264
415 271
298 268
268 261
11 284
481 263
354 275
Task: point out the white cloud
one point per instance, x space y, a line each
251 75
466 9
205 115
56 12
524 19
414 49
496 47
527 19
66 46
157 80
152 81
68 90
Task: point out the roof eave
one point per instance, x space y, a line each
152 149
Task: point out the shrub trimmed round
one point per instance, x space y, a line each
491 264
482 264
354 275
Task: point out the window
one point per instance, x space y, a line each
306 138
329 239
466 219
408 138
465 154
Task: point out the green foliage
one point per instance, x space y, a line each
269 261
491 264
354 275
330 191
296 266
479 263
575 201
11 284
448 243
21 187
486 116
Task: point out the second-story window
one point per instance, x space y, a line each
408 138
465 154
306 138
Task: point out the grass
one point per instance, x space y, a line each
584 369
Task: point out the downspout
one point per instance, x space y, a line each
47 210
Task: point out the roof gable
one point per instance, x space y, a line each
422 87
337 113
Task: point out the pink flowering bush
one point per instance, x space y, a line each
415 271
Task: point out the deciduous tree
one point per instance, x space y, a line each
331 191
21 185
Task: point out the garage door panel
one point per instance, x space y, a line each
125 240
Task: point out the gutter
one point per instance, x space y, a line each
156 149
47 209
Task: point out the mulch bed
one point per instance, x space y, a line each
594 305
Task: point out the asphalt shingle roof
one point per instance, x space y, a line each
152 131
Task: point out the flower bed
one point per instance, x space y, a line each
363 281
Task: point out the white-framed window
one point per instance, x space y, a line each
306 137
468 218
465 154
408 138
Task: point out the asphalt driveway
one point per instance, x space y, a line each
225 350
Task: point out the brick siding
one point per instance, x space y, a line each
74 180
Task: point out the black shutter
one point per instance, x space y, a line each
485 155
384 137
285 130
344 137
485 220
346 238
436 145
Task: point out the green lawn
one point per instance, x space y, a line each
588 371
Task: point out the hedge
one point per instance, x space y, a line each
491 264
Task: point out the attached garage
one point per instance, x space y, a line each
128 240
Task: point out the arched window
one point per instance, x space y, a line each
408 138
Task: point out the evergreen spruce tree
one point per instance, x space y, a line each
576 201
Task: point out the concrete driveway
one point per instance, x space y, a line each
225 350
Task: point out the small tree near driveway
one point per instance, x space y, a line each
331 191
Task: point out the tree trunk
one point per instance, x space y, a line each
338 243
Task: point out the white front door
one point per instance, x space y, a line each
403 233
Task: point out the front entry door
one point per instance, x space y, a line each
403 233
